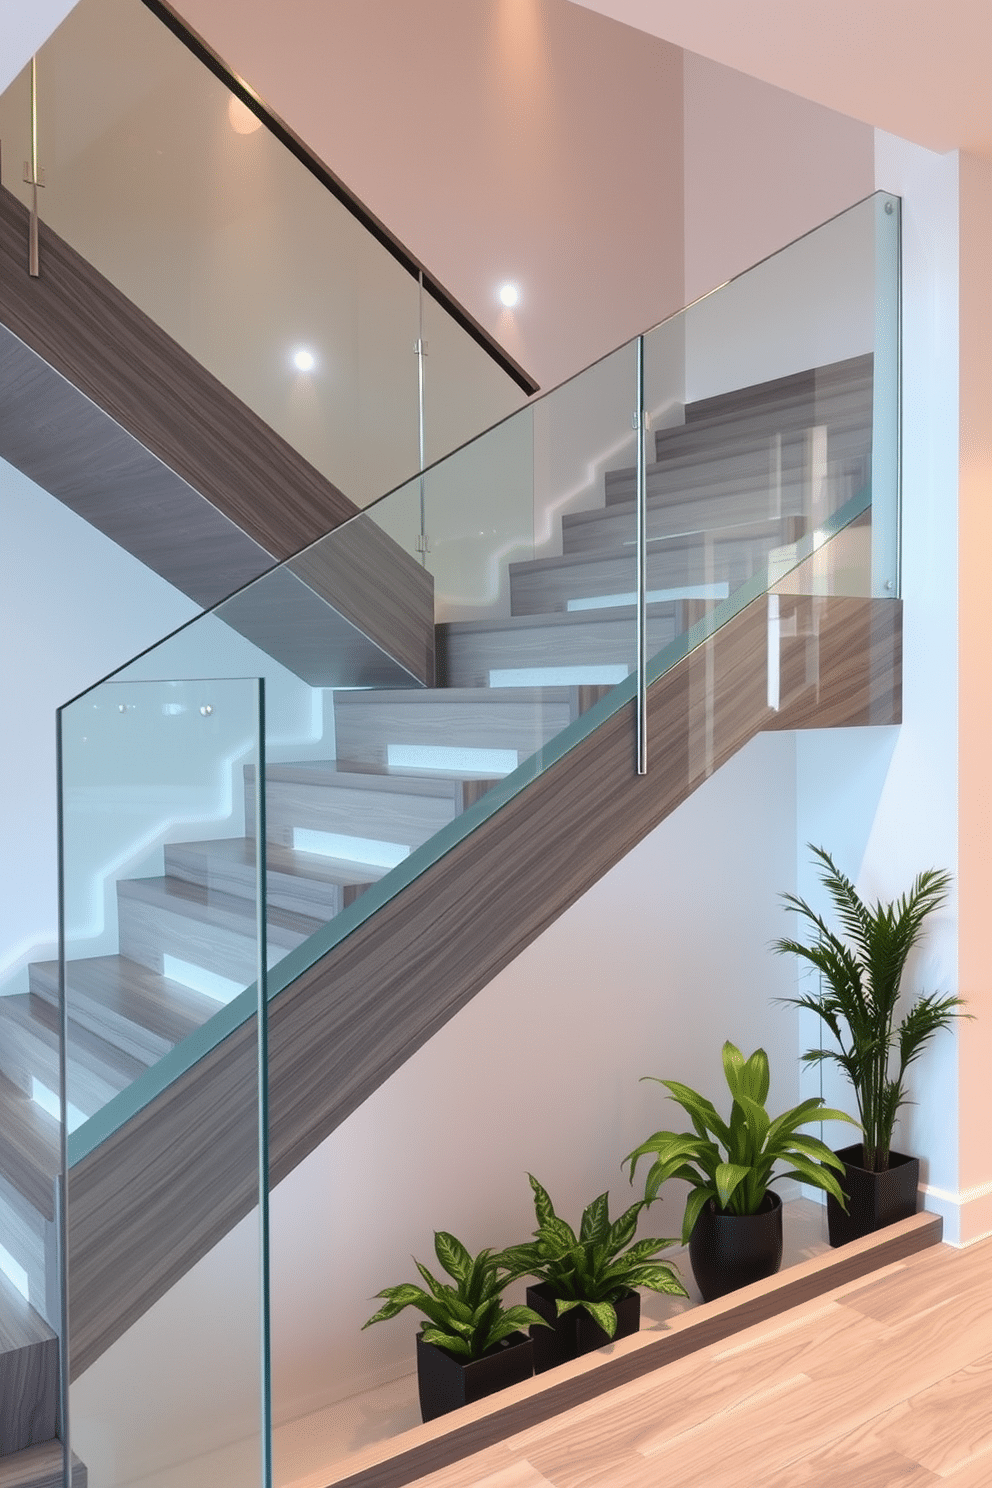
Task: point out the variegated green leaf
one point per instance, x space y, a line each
542 1202
452 1255
449 1341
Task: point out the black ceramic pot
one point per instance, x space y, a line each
446 1382
874 1200
576 1333
728 1251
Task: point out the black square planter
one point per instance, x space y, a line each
874 1200
576 1333
446 1382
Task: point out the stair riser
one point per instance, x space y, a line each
848 415
148 932
29 1396
541 589
616 528
466 654
385 815
25 1056
298 895
665 484
32 1243
93 1016
366 725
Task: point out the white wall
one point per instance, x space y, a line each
73 605
24 28
887 804
648 973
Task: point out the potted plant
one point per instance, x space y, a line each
472 1344
733 1219
860 984
586 1283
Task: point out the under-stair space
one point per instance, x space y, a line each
747 476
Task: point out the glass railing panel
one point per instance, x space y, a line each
465 390
790 394
168 184
526 541
147 959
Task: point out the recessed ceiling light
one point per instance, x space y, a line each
240 116
303 360
509 295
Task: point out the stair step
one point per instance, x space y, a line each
40 1467
29 1379
847 454
30 1151
30 1155
331 797
614 527
300 882
200 928
29 1050
599 645
816 385
137 1010
847 413
488 730
727 556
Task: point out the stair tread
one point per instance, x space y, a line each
130 991
30 1152
576 620
240 851
40 1466
37 1018
347 776
622 517
759 531
213 906
20 1325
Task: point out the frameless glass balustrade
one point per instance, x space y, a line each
168 184
724 476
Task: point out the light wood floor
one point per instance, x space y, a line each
884 1382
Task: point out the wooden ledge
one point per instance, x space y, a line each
405 1458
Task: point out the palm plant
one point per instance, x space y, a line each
468 1318
861 979
596 1267
752 1141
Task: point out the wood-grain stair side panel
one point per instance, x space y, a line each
29 1374
115 419
425 953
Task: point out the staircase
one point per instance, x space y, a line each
744 478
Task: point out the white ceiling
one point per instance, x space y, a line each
917 68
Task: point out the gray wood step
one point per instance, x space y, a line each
748 478
29 1050
727 556
29 1161
214 932
816 384
40 1467
848 414
599 646
616 527
300 882
130 1006
491 731
331 797
29 1377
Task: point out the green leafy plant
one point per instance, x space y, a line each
861 979
595 1268
468 1318
737 1177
